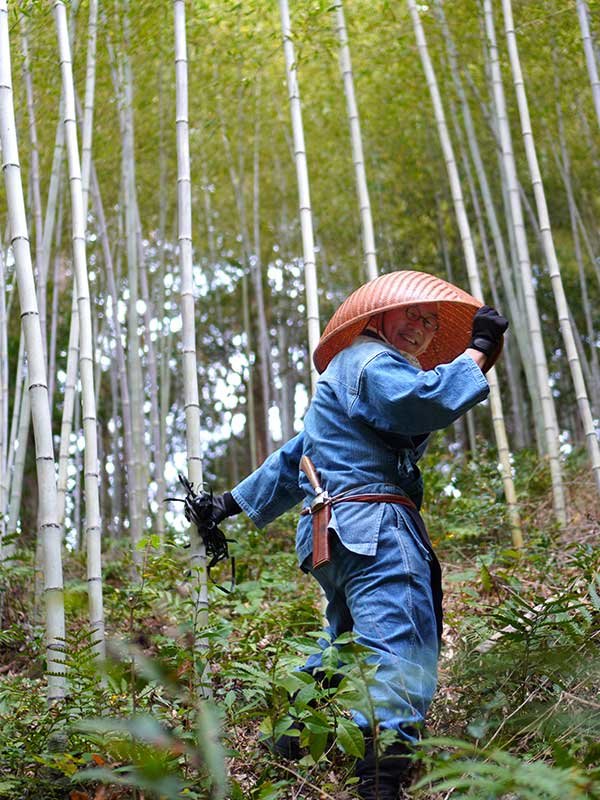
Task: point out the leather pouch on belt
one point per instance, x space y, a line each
321 554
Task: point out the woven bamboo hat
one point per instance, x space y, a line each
456 310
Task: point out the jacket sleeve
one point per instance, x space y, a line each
393 396
272 488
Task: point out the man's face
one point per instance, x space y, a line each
411 328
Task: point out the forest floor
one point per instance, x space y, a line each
517 712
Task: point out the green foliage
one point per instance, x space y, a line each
521 631
470 771
172 752
36 739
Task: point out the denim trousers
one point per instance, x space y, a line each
387 601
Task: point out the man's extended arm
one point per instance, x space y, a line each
272 488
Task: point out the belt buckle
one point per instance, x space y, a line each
320 501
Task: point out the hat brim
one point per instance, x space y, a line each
456 309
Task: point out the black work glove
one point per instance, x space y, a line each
221 507
488 330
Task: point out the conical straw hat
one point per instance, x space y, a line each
456 310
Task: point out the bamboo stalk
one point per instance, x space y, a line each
511 373
69 398
563 163
460 428
49 527
583 13
533 317
166 338
116 507
364 203
306 222
23 420
88 105
134 360
129 393
472 271
560 299
54 309
236 175
17 447
515 307
188 339
40 262
157 455
20 379
93 521
257 280
250 403
4 477
126 409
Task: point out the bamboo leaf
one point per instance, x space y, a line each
349 738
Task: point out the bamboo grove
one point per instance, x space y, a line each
192 188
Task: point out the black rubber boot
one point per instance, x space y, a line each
383 778
287 746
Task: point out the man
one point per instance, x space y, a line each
403 356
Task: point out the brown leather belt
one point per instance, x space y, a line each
322 514
402 499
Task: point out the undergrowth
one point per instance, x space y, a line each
516 715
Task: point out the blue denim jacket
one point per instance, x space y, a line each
365 430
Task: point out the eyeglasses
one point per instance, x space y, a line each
430 321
